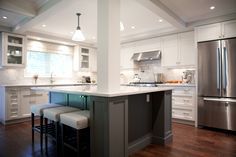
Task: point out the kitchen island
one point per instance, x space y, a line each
121 122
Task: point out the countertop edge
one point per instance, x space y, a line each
138 90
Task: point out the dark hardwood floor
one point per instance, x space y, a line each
15 141
193 142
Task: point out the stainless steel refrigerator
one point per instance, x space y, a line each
217 84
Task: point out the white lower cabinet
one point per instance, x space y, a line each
183 103
29 98
12 103
16 101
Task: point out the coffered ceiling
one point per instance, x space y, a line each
141 18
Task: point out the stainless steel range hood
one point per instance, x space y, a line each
146 56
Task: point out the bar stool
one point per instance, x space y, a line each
37 110
53 114
78 121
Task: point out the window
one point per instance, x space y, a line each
45 63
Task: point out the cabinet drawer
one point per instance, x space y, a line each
183 91
186 101
183 114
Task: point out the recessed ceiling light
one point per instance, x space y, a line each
4 17
122 28
160 20
43 25
212 7
133 27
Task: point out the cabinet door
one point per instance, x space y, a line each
170 52
84 59
209 32
12 103
229 29
14 50
93 60
187 49
27 99
41 97
125 57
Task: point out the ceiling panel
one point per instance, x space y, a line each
195 10
132 14
12 18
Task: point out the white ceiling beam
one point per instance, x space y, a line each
161 10
48 9
19 7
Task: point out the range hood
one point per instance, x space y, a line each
146 56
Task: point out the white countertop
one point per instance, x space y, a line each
92 90
178 84
43 85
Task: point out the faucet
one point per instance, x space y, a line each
51 78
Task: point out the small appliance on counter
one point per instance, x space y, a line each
188 76
86 79
136 78
159 78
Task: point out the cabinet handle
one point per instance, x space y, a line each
186 113
32 102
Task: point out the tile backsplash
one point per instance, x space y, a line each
16 76
146 71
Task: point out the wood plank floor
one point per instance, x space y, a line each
15 141
193 142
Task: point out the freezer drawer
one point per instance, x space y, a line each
217 113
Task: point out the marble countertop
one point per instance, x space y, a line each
92 90
44 85
178 84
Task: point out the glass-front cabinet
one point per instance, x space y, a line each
13 50
84 58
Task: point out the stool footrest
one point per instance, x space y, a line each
50 127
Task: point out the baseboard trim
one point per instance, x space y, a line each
140 143
163 141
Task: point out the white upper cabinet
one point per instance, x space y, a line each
12 50
126 53
229 29
170 52
208 32
216 31
93 60
178 50
187 52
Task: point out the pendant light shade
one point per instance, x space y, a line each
78 35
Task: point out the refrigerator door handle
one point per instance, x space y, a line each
220 99
218 70
224 66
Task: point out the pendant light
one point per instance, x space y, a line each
78 35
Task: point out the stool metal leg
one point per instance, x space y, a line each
41 133
32 127
57 138
78 145
62 140
46 136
